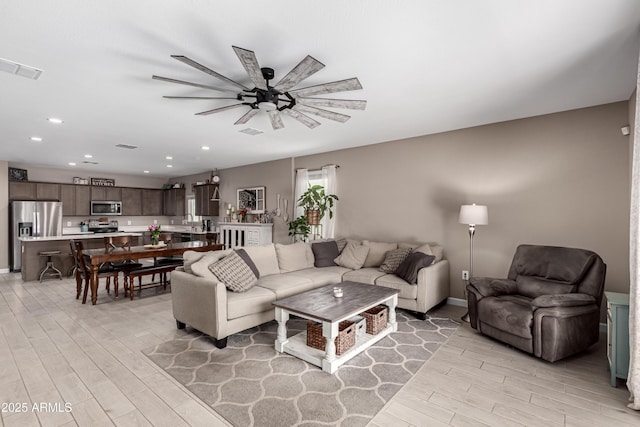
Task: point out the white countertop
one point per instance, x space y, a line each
78 236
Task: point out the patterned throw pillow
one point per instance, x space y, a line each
393 259
235 272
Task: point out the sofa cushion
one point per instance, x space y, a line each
286 284
255 300
533 287
409 268
393 259
508 313
191 257
324 253
296 256
322 276
377 253
236 271
407 291
427 248
264 257
363 275
353 255
201 267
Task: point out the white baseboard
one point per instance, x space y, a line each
4 270
460 302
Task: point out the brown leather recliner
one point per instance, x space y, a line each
548 306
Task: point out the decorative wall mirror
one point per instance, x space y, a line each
252 199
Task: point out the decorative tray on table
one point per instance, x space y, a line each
158 246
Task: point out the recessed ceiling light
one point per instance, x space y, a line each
204 147
146 171
169 166
169 158
36 138
55 120
88 156
72 164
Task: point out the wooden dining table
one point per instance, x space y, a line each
96 257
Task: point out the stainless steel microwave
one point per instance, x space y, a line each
106 207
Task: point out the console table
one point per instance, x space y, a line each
245 234
618 335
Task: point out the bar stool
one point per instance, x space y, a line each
54 271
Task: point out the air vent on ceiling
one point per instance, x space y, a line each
21 70
251 131
90 163
128 147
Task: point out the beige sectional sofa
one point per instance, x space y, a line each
204 303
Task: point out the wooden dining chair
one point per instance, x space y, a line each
83 271
121 243
176 260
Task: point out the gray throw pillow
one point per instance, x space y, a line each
235 272
353 255
324 253
393 259
408 269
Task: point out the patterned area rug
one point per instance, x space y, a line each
250 384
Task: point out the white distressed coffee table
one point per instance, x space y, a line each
321 306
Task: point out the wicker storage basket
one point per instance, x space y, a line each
376 319
344 341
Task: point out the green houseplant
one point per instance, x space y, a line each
316 203
298 228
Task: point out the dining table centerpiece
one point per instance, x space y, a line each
154 230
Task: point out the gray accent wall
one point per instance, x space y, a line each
559 179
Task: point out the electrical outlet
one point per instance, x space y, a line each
155 221
68 223
128 222
465 274
171 222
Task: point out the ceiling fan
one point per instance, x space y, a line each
296 103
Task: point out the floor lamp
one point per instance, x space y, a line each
472 215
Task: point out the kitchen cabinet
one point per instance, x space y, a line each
173 203
106 193
68 199
204 205
83 200
131 201
152 201
22 190
47 191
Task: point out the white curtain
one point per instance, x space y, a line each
329 224
302 183
633 380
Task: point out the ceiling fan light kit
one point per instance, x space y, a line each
296 103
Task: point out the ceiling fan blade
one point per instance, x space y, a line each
209 71
351 104
333 87
248 116
218 110
276 119
307 67
250 64
182 82
331 115
305 120
199 97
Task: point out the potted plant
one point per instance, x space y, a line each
317 203
299 229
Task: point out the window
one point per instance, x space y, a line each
191 209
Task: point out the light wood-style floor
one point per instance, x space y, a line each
54 350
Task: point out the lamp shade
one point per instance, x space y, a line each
474 215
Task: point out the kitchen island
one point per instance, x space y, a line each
32 263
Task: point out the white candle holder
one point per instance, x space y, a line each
337 292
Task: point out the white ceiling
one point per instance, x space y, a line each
426 67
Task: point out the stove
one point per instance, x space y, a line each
103 226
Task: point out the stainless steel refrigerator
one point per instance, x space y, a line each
36 219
